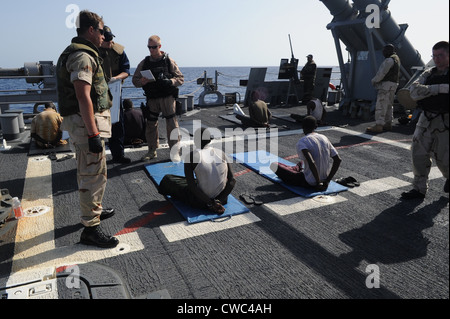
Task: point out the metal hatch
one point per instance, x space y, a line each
85 281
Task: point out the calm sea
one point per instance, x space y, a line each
228 81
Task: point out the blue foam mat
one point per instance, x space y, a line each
259 161
192 215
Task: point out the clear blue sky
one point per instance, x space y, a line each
205 33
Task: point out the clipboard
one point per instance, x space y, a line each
116 90
148 75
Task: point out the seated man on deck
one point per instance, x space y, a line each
259 113
46 128
134 124
314 151
314 108
213 181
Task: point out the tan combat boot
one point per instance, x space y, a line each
149 156
375 129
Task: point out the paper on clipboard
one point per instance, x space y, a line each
148 75
116 90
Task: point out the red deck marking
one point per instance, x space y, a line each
64 268
242 172
145 220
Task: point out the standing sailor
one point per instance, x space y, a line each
84 101
308 75
386 82
117 68
431 136
161 94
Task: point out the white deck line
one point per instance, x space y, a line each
299 204
373 138
35 240
435 173
378 185
35 235
184 230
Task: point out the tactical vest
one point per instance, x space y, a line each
100 95
394 73
160 70
111 60
436 103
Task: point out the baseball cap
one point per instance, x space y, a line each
309 56
108 34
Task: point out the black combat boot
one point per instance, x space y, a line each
95 237
107 213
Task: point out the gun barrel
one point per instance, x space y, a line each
12 72
290 42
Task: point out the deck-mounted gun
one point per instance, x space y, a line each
364 43
289 71
41 73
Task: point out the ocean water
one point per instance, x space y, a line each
228 82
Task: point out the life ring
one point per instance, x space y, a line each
331 85
35 108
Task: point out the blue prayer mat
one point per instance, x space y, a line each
192 215
259 161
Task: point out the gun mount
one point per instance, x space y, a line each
286 92
41 73
364 44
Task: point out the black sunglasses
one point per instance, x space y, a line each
102 32
154 47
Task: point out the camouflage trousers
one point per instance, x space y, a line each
431 139
167 107
384 109
91 168
92 178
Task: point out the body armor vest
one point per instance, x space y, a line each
100 95
161 71
436 103
111 60
394 73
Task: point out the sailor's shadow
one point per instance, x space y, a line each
394 236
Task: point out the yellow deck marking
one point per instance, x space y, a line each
35 238
35 235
